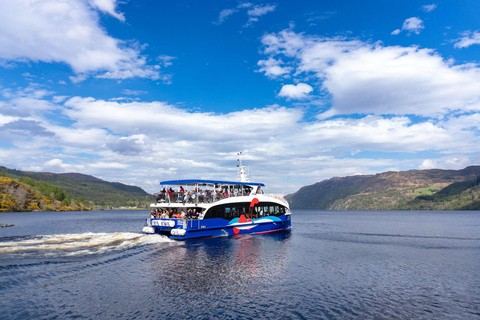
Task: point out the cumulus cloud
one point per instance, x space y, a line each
272 68
299 91
177 124
410 25
57 165
453 162
69 32
23 129
128 145
468 38
364 78
157 140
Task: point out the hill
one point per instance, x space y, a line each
97 192
405 190
39 196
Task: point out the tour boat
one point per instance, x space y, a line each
189 209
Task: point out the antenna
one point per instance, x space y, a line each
241 168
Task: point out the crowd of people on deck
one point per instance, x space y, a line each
198 195
174 214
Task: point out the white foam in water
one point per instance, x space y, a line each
80 244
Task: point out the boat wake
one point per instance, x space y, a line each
77 244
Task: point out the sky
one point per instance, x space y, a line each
140 92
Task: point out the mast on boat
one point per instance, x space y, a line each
241 168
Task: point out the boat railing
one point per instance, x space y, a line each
208 197
278 197
195 198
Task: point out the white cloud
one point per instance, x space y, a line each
224 14
453 162
253 12
108 6
429 7
410 25
364 78
157 118
166 60
108 165
58 99
428 164
57 165
134 92
299 91
468 38
69 32
272 68
156 140
413 24
396 31
400 134
258 11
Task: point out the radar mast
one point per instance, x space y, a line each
241 169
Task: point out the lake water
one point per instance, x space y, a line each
330 265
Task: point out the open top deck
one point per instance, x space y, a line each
184 193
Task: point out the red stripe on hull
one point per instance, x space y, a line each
269 231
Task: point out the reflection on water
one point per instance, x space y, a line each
220 264
215 277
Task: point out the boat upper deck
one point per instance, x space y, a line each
194 192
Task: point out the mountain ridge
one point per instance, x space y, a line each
391 190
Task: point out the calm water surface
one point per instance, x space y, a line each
331 265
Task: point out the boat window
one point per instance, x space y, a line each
230 212
259 211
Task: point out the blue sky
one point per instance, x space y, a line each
143 91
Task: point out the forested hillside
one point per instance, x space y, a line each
405 190
97 193
35 196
